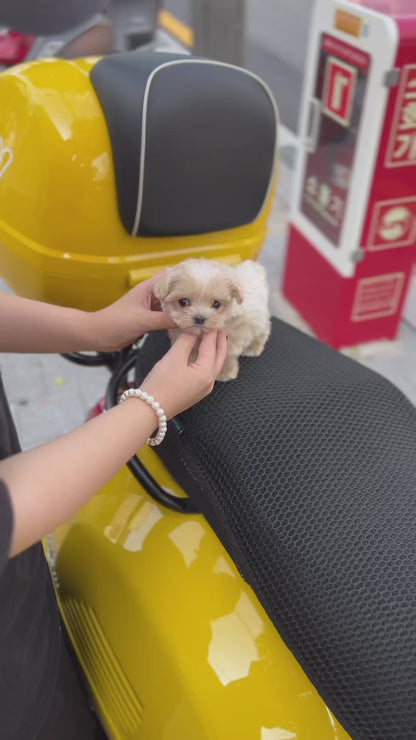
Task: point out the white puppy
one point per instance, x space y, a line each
202 295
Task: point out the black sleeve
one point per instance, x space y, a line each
6 526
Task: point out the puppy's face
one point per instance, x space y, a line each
198 295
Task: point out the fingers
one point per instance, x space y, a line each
143 293
151 282
207 350
211 353
155 318
159 320
184 346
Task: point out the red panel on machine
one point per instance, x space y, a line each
367 306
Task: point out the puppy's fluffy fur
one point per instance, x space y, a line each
202 295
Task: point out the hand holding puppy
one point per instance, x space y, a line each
177 383
135 313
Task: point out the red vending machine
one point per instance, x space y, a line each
352 232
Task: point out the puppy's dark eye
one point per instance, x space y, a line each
216 304
184 302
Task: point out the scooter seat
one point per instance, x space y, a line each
305 467
193 141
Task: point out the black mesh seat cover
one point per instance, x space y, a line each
305 466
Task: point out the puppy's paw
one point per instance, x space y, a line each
230 370
256 347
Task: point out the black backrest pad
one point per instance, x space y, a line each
305 466
193 142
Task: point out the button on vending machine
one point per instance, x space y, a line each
352 231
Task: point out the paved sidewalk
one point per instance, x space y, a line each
49 395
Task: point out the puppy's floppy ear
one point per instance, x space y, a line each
235 290
229 275
163 286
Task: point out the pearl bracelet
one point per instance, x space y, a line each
161 416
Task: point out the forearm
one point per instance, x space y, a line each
32 326
50 483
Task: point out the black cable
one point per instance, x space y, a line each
140 472
96 359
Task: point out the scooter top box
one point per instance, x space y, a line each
112 169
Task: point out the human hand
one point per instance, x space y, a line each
178 384
135 313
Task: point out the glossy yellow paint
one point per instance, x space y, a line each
61 239
174 644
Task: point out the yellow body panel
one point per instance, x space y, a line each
61 239
175 645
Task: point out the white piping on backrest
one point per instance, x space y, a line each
144 122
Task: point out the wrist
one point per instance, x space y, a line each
78 330
110 330
87 338
141 415
157 411
93 330
96 332
162 397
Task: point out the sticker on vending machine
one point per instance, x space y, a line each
377 296
401 148
338 93
393 224
340 85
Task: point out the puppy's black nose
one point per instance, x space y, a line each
199 319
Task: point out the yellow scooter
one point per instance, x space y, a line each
252 579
